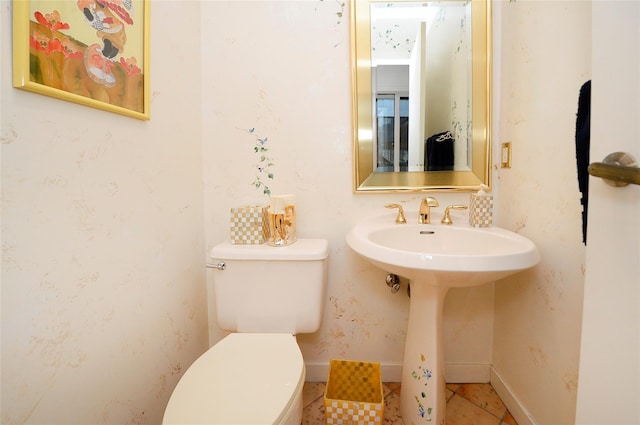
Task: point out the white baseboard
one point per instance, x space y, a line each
467 373
517 409
392 372
316 372
319 372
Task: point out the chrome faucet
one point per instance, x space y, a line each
424 216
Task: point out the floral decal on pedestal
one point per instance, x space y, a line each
423 373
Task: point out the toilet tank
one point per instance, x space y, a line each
271 289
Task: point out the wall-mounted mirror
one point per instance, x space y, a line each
421 94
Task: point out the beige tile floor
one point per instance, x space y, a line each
467 404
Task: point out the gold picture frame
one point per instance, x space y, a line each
84 51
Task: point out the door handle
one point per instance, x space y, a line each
617 169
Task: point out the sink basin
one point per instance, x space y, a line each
442 255
435 257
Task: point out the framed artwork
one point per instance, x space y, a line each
91 52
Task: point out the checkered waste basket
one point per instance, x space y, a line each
353 395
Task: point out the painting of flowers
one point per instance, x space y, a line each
92 52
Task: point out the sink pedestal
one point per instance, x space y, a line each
423 399
435 258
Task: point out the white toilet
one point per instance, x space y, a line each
255 376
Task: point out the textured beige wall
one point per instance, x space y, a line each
284 70
545 50
103 236
103 283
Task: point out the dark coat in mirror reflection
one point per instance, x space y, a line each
438 152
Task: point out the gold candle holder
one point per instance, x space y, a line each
282 227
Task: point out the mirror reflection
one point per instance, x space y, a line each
421 69
421 94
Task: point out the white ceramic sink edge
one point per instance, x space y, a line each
442 255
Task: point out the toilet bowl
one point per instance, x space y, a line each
254 376
245 379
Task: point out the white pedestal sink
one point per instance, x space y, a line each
435 257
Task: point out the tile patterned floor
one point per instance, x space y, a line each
467 404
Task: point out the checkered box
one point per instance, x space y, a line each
481 210
249 225
354 393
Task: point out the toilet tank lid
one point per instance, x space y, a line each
301 250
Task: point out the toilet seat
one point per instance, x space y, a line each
245 379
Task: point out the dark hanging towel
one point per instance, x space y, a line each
583 123
438 152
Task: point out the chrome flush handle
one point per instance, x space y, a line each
220 265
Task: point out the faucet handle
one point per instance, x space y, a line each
447 213
400 219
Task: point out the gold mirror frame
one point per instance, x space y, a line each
365 180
